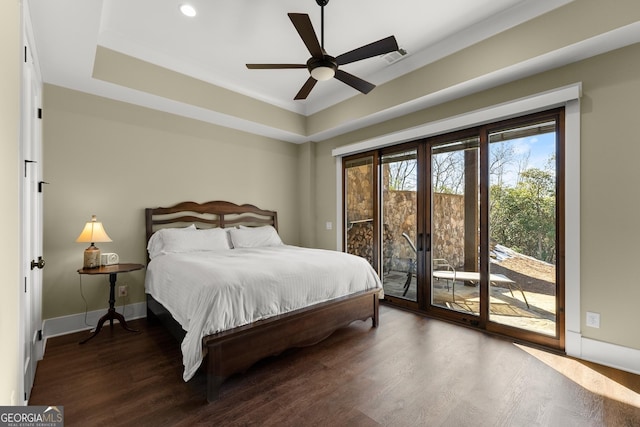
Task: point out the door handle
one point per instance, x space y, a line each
421 245
428 245
39 264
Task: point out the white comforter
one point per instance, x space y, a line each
209 292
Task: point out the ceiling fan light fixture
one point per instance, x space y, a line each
188 10
323 68
323 73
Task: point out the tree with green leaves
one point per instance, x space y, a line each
524 217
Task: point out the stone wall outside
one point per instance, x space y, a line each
399 216
359 193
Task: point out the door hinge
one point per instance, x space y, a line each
40 113
25 166
40 184
40 335
25 54
25 285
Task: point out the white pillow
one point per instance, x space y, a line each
190 239
210 239
155 246
255 237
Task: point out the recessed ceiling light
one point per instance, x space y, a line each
188 10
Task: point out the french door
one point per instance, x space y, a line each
468 226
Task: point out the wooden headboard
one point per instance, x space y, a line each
208 215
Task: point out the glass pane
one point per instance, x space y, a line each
522 225
359 208
399 209
454 225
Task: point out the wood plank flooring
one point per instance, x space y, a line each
411 371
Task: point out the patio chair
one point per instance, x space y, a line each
442 269
442 265
438 264
411 271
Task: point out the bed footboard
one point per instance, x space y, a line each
236 350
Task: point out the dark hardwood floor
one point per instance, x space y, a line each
411 371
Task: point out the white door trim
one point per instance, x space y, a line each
31 348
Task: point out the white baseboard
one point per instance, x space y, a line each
613 355
603 353
76 322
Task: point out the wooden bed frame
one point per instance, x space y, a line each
235 350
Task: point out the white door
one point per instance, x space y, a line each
31 187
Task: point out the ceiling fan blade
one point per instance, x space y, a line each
306 88
355 82
274 66
380 47
303 24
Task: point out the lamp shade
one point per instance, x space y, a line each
93 232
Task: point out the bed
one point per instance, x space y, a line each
220 309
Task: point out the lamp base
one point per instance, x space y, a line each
91 257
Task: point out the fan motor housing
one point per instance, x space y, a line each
326 61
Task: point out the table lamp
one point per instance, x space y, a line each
93 232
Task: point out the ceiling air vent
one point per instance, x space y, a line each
394 56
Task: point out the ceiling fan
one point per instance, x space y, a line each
323 66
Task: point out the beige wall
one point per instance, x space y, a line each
609 175
306 193
10 372
114 159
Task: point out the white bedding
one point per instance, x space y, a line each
212 291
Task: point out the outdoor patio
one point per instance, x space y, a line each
504 308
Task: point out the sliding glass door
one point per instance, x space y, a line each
495 219
399 176
454 220
468 226
523 218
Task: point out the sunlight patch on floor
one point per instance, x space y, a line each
585 376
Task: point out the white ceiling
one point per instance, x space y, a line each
215 45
